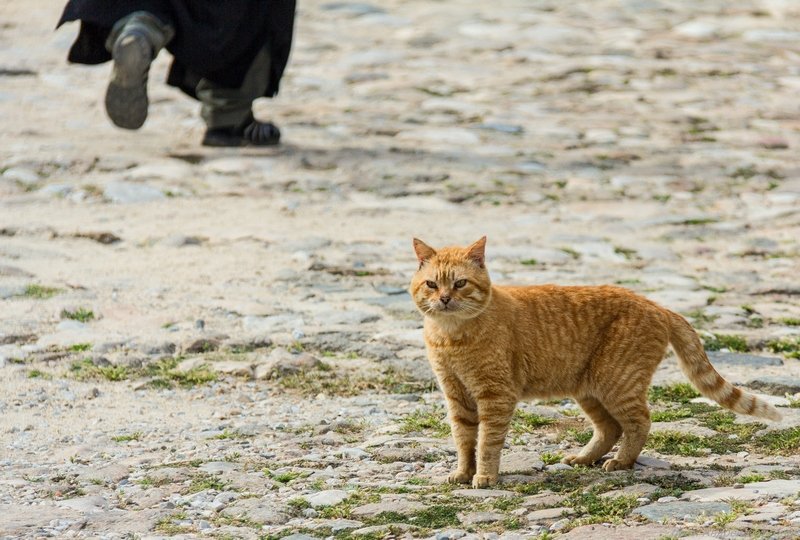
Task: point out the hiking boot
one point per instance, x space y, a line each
126 96
251 132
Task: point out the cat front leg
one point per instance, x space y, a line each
495 416
463 414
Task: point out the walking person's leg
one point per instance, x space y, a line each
134 42
228 112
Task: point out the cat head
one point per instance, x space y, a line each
451 283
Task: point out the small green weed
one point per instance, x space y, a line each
135 436
674 393
38 374
426 421
79 347
40 292
723 341
787 346
203 482
551 458
80 314
525 422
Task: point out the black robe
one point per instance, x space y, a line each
214 39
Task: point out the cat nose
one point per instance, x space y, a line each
445 299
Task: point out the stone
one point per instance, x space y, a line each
272 323
450 534
234 368
477 518
647 462
482 493
398 506
681 510
739 359
282 363
549 513
520 462
132 193
261 511
329 497
772 489
623 532
640 490
543 499
777 385
201 345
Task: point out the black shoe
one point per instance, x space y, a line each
251 132
126 96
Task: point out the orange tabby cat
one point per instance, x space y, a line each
493 346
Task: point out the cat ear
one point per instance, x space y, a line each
423 251
477 251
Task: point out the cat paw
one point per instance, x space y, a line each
459 477
575 459
616 465
483 480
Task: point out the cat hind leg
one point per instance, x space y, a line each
606 432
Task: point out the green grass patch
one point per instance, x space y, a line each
286 476
789 321
784 441
203 482
529 262
168 526
671 415
723 341
700 319
324 380
38 374
80 314
579 436
79 347
750 478
595 509
85 370
551 458
674 393
225 435
135 436
40 292
789 347
525 422
426 421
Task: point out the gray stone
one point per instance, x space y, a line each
272 323
329 497
483 493
547 498
681 510
739 359
777 385
476 518
772 489
262 511
647 462
640 490
281 363
450 534
520 462
399 506
11 291
549 513
300 536
129 193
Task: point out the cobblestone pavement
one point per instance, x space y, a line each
214 343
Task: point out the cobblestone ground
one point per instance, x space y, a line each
213 343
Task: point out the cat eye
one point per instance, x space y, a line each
431 284
460 283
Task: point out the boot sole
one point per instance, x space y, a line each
126 96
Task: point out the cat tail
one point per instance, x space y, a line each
695 365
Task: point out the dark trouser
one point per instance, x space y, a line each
221 107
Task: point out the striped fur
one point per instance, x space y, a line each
492 346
